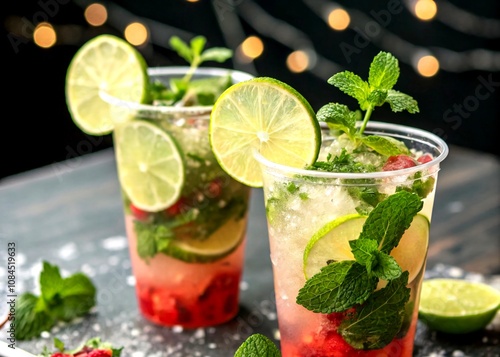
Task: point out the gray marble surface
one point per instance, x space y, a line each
70 214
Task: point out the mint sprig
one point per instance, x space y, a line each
61 299
195 54
377 90
351 283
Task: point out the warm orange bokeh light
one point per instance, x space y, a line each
136 33
44 35
339 19
425 9
428 66
252 47
297 61
96 14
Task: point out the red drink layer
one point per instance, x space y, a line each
173 292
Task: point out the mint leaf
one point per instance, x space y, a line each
146 240
182 48
377 97
76 298
390 219
400 101
341 163
31 317
197 45
385 145
364 251
337 287
338 117
375 323
217 54
386 267
352 85
257 345
384 71
51 281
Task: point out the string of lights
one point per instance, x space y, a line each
426 61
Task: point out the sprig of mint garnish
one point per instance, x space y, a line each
186 91
195 54
257 345
378 315
383 75
61 299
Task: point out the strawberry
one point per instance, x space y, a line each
398 162
100 353
60 354
138 213
424 158
181 206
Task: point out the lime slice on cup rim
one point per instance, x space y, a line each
106 64
265 115
457 306
150 165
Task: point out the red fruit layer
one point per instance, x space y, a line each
216 304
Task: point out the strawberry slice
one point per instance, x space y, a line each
398 162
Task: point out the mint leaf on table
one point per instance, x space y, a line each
61 299
31 317
389 220
380 317
257 345
337 287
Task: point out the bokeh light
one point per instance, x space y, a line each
428 66
339 19
425 9
44 35
297 61
96 14
136 33
251 48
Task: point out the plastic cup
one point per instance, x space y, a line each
300 202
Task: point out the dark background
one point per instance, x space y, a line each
455 104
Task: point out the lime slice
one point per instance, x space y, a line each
266 115
150 165
221 243
331 243
103 64
457 306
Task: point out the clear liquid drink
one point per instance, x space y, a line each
312 216
187 258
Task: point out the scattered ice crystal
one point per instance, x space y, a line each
243 285
212 346
115 243
131 280
68 251
177 329
45 334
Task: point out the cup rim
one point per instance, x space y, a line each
405 131
238 76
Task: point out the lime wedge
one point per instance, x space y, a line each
150 165
222 242
103 64
457 306
331 243
266 115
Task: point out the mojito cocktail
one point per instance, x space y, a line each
312 218
185 217
348 204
